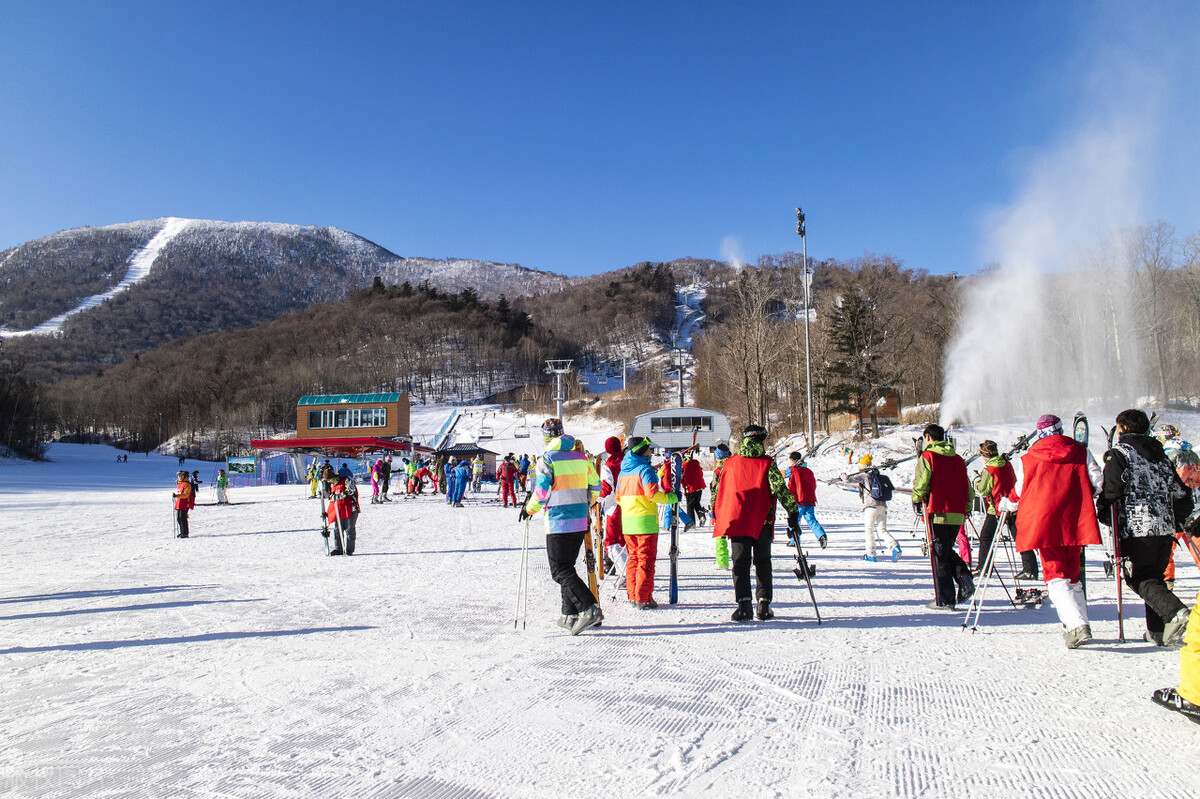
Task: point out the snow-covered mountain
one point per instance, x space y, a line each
97 295
72 272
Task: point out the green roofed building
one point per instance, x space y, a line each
350 415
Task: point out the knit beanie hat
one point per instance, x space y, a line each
612 445
988 448
722 451
1048 425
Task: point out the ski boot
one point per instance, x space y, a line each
744 612
1171 700
1173 629
764 612
895 553
587 618
1077 637
567 622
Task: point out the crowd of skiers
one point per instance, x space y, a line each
1145 487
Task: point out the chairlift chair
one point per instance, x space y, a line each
485 434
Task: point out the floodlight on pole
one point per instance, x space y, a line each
801 231
558 369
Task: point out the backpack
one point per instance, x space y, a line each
879 486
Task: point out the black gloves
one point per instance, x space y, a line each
524 514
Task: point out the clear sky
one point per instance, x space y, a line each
579 137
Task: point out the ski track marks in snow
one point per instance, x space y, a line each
243 662
140 264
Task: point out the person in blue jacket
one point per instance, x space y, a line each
458 484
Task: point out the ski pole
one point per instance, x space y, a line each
986 570
523 580
802 570
1118 571
933 559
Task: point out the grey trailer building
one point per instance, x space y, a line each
672 428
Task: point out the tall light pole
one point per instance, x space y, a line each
558 369
807 358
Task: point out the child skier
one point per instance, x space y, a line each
222 484
803 486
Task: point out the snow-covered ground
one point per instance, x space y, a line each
139 268
243 662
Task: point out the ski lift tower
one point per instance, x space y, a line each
558 369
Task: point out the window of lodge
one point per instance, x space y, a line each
347 418
680 424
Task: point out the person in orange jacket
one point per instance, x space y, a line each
185 500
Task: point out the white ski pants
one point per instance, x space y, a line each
1068 602
875 517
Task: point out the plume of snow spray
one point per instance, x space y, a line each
731 252
1049 327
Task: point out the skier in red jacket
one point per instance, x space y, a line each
744 511
693 487
342 515
507 476
803 486
615 553
1057 518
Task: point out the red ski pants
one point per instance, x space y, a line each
1060 563
639 571
506 493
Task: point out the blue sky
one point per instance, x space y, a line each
580 137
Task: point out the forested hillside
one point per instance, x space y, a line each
437 347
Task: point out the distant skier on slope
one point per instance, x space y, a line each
942 492
506 475
565 485
1152 505
743 506
1057 519
342 515
461 474
222 486
185 500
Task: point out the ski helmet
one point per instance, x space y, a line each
639 445
1168 431
866 460
755 431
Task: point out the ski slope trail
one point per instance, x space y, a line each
140 264
244 663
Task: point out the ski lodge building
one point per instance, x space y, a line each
674 428
348 425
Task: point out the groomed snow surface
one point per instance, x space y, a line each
243 663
